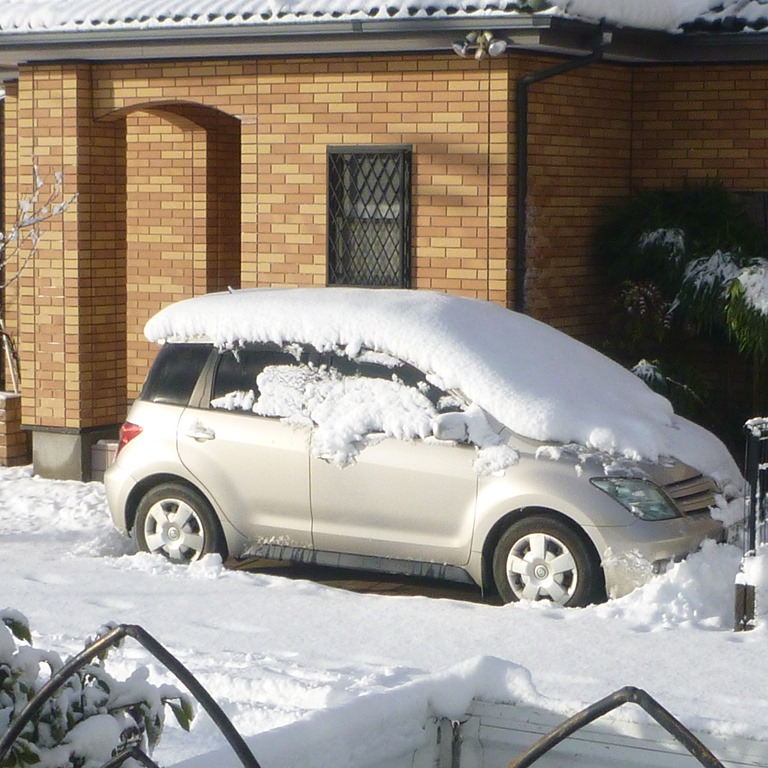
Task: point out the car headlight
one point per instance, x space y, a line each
643 499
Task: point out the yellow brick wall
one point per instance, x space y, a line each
12 290
579 162
701 122
453 112
220 179
65 310
182 216
14 441
164 215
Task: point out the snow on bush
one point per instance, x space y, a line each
712 274
754 283
86 721
672 240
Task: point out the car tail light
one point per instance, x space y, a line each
128 431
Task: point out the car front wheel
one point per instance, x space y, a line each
542 558
177 522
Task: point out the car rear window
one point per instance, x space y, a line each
174 373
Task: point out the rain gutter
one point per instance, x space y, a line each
273 37
521 219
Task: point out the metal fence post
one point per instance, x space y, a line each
755 503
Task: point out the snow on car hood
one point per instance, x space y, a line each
538 381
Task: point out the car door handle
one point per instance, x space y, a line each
200 433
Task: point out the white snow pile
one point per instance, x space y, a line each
530 377
346 412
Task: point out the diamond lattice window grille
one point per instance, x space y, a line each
369 217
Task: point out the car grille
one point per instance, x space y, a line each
693 496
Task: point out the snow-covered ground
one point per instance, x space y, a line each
274 651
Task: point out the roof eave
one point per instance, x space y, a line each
542 33
347 37
654 47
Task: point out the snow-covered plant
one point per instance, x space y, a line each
654 375
705 286
747 310
86 721
671 242
674 260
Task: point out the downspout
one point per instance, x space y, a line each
521 222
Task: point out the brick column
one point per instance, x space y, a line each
69 304
14 449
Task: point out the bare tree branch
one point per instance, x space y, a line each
19 246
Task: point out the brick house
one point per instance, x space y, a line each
244 145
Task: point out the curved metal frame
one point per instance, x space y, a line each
625 695
113 638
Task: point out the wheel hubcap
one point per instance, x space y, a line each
173 528
540 566
173 533
541 572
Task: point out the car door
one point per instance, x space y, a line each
399 497
254 466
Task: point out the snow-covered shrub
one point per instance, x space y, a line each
675 259
90 718
653 373
747 310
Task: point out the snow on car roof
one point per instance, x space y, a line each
538 381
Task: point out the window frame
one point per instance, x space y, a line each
352 205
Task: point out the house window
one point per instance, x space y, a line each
369 216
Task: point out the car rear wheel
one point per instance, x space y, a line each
177 522
542 558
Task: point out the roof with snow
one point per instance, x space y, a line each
660 15
689 31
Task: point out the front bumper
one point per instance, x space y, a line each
633 555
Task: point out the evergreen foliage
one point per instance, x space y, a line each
676 260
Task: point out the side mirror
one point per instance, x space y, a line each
451 426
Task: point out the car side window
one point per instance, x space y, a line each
236 379
174 373
367 366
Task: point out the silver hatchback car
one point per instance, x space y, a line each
406 432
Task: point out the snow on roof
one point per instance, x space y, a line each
85 15
539 382
672 15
